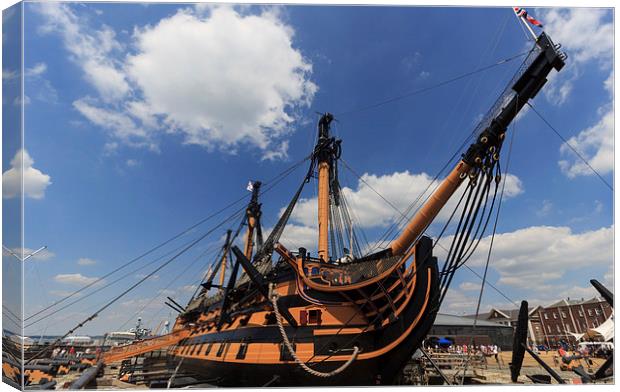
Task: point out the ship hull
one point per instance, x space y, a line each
385 349
381 370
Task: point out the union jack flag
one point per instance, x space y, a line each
522 13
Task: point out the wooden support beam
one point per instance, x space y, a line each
257 278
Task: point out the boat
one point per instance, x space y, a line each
78 341
120 338
274 314
341 317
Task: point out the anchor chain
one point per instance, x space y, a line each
289 346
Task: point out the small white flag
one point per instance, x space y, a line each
250 186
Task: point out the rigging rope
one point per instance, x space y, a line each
129 274
272 183
162 290
429 88
488 260
570 146
115 299
480 277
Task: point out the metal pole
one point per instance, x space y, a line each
544 365
527 24
434 365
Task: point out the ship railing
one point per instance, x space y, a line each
350 276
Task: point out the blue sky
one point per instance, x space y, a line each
141 120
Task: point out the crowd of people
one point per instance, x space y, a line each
62 352
487 350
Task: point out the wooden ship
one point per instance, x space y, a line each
303 320
275 314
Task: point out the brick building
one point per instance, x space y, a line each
554 323
509 317
577 316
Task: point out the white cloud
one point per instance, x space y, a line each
140 303
121 125
298 236
609 84
400 188
533 258
217 77
86 261
559 89
277 152
190 288
595 144
35 182
368 209
598 206
8 74
457 303
469 286
230 78
37 70
18 101
142 276
132 162
91 50
586 34
545 209
64 293
74 279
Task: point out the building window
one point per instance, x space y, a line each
557 327
567 327
563 314
580 313
555 315
208 350
546 316
549 328
598 311
589 312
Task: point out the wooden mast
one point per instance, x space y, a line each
429 211
488 142
323 191
225 258
253 213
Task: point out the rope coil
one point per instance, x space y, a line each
291 350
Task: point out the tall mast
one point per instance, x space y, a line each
324 169
489 141
253 215
224 258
